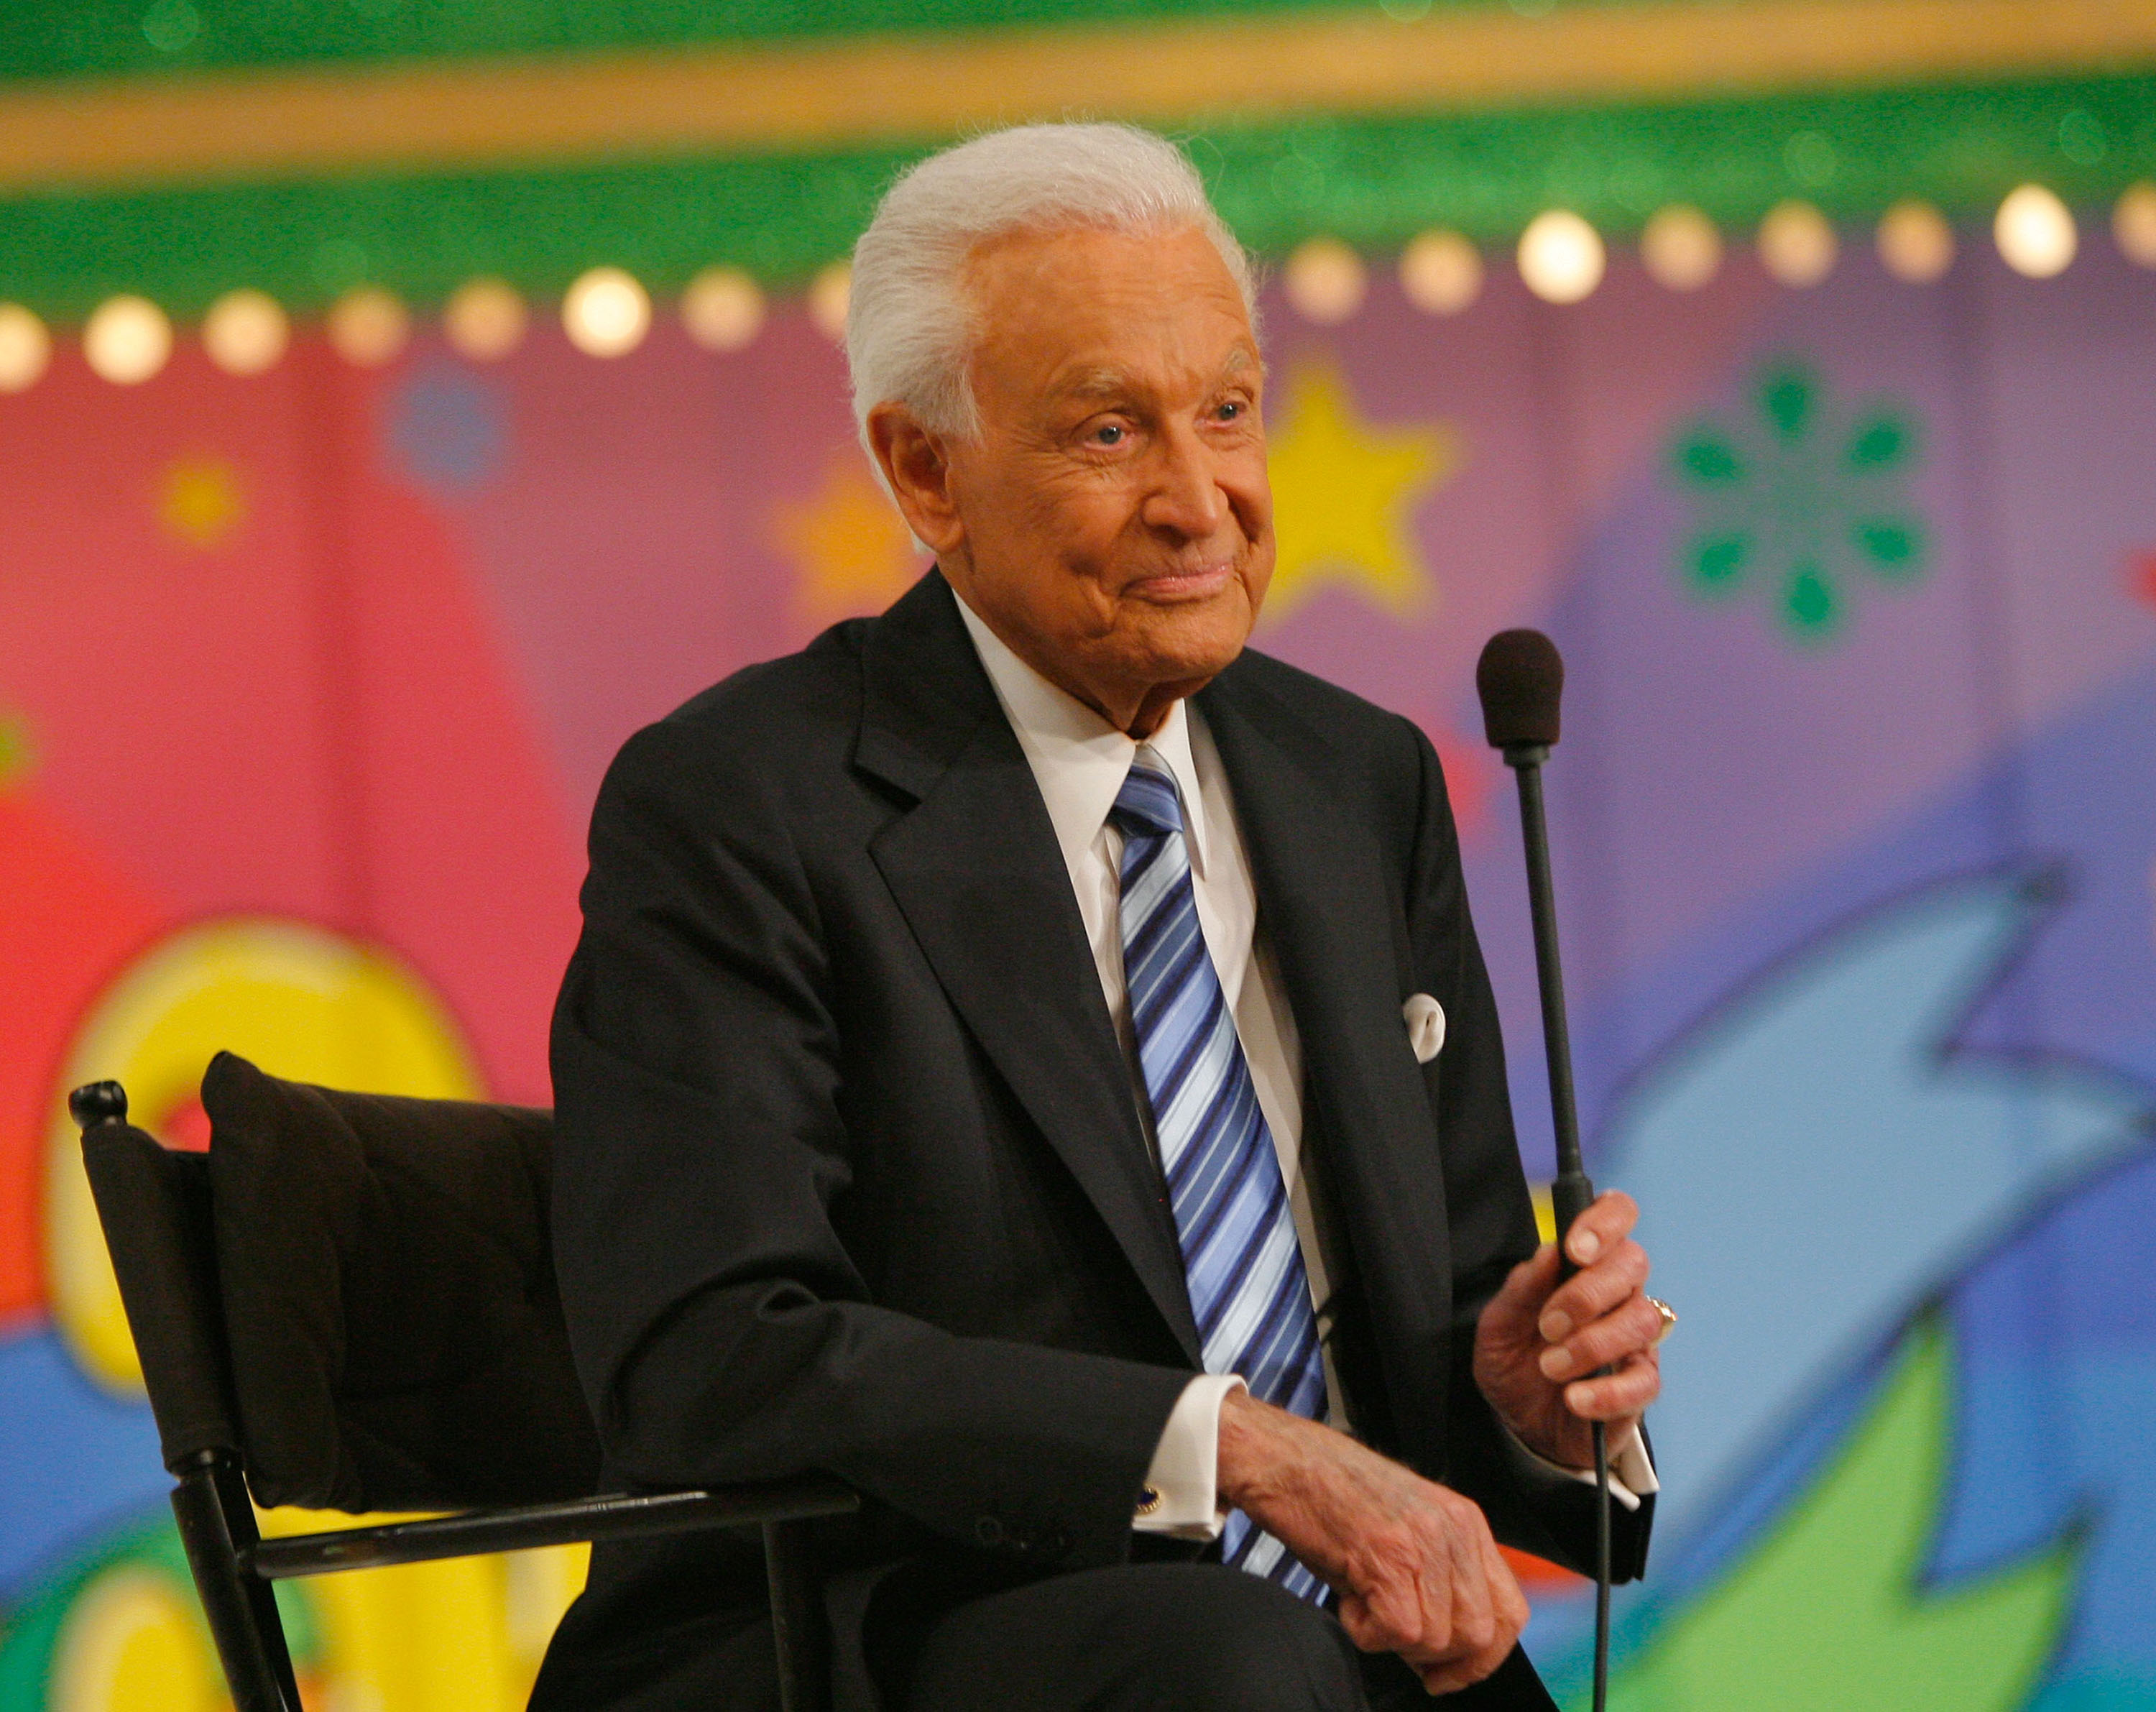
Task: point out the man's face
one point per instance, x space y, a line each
1111 521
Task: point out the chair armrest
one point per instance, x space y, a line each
611 1516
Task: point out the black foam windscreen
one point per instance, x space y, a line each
1520 680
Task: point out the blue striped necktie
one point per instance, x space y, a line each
1247 1286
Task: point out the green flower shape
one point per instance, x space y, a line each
1802 497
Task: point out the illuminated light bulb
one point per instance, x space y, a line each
483 320
827 294
127 339
1325 281
1561 257
1441 272
2133 223
25 348
2034 232
368 326
722 309
1797 244
1916 244
245 332
607 313
1680 249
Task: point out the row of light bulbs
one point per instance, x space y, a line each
607 312
1562 258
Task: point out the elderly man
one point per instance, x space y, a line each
1029 1056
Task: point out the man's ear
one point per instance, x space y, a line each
917 469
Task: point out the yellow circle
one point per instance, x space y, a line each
369 326
25 348
1441 272
127 339
829 294
131 1640
607 313
2134 223
245 332
1324 281
1916 244
1561 257
301 1001
483 320
1797 244
2035 231
1680 249
722 309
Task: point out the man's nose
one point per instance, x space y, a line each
1186 498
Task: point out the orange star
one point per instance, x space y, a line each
199 501
852 549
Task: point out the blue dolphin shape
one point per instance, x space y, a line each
1815 1157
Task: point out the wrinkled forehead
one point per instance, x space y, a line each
1084 312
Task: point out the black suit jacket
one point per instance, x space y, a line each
850 1175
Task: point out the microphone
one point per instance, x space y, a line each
1521 680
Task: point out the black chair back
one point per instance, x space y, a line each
167 1276
349 1304
387 1287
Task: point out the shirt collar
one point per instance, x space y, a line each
1078 758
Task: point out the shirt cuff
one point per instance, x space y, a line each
1631 1471
1181 1494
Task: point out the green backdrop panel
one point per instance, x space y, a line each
1374 181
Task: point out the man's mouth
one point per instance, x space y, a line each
1181 583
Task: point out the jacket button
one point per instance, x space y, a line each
988 1531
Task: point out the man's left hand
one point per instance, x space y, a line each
1540 1346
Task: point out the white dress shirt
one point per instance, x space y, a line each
1080 761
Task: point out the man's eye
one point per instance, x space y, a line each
1110 434
1230 410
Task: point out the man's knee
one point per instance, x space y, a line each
1257 1648
1155 1637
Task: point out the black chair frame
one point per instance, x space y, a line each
234 1568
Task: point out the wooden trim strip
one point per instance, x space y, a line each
463 115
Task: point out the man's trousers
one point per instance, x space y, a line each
1172 1638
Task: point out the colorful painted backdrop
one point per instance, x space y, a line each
307 680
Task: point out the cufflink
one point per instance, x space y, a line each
1148 1500
1425 1020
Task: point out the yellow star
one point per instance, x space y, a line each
199 501
848 543
1344 492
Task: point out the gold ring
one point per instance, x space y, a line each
1669 1318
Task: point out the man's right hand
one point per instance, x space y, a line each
1413 1562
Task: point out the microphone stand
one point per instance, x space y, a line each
1571 1193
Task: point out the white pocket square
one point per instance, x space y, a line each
1425 1019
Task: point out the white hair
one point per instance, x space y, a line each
909 324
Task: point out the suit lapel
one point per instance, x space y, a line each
1328 908
975 869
